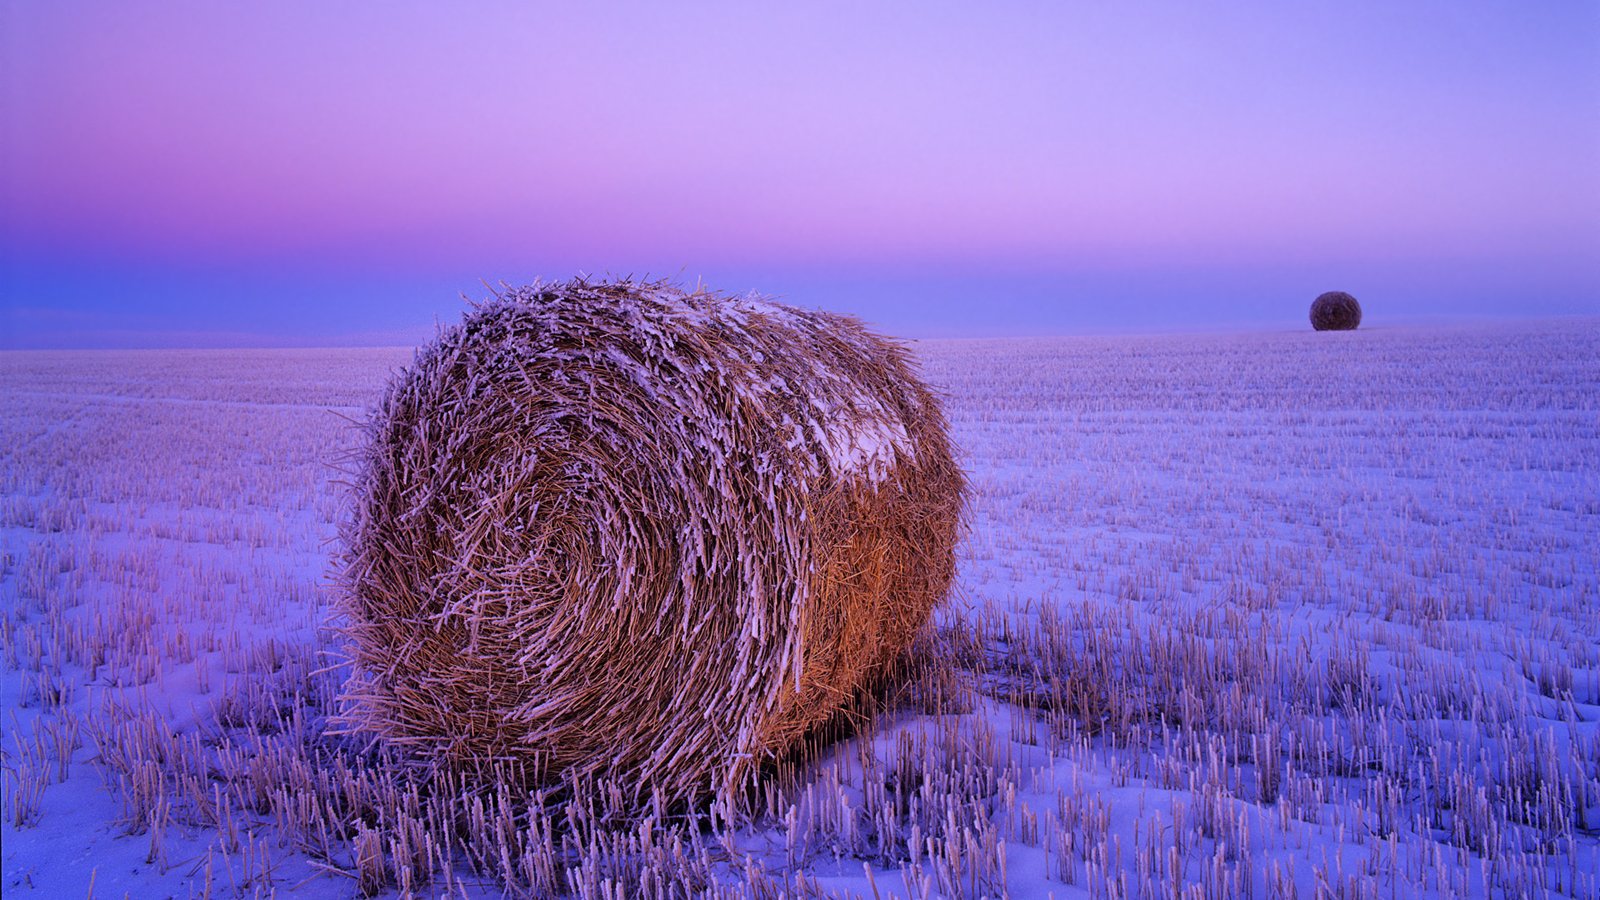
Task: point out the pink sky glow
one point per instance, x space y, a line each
1045 138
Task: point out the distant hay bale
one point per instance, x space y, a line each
629 531
1335 311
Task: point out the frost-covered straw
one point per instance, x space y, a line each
623 530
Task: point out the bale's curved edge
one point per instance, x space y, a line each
1335 311
628 531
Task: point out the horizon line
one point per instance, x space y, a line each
235 341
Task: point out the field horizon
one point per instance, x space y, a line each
409 339
1254 613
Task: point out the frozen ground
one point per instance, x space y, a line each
1259 615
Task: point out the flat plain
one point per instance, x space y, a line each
1256 614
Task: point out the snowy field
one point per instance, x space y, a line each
1257 615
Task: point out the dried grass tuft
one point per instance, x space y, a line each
623 530
1335 311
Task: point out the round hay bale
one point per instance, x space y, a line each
622 530
1335 311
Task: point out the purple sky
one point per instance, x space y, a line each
330 172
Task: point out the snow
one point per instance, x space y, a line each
868 448
1248 613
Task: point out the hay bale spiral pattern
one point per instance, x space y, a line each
623 530
1335 311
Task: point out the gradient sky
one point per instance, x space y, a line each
338 172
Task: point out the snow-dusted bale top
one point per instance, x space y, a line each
1335 311
627 531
